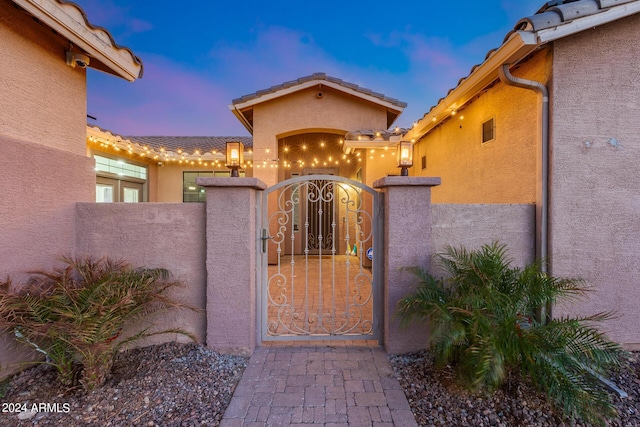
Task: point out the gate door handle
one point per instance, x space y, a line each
265 237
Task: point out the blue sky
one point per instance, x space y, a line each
200 55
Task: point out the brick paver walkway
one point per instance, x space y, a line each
328 386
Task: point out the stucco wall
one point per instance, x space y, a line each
38 188
378 167
472 226
595 199
170 236
169 180
499 171
43 100
335 112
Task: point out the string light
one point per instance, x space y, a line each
195 158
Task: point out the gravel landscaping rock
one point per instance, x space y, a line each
188 385
436 399
164 385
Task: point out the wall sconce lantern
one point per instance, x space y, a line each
235 157
405 157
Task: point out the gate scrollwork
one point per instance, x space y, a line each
320 281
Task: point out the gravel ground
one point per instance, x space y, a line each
436 400
188 385
164 385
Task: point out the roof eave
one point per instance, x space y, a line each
95 42
296 88
521 44
516 48
245 122
577 25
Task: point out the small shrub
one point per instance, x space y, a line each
4 386
74 315
486 320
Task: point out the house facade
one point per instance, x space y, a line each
549 120
297 128
490 142
44 170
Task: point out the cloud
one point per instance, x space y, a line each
170 100
433 66
117 19
273 54
192 98
136 25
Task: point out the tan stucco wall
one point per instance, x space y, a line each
42 100
595 202
499 171
303 112
378 167
164 235
170 184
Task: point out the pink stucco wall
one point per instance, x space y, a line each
472 226
42 99
43 167
231 263
407 243
595 199
38 189
164 235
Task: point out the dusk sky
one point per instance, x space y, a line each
200 55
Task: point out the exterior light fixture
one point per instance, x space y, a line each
405 157
235 157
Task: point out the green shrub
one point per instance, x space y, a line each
486 320
74 315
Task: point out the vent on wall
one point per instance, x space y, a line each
488 130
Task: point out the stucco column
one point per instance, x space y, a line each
231 263
407 237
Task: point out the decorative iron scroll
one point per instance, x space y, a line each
321 283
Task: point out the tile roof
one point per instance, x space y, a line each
376 135
98 31
190 144
191 148
557 12
69 21
552 14
321 77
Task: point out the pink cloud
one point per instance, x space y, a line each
168 100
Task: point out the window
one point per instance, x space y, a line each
104 193
488 130
191 192
120 168
119 181
424 162
130 195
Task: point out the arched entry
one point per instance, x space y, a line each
323 233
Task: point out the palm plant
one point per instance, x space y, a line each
487 320
74 315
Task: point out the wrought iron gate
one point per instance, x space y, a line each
318 272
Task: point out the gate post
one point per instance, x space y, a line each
407 243
231 263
